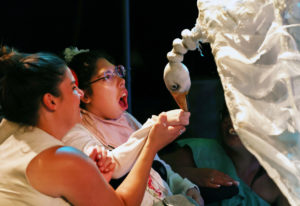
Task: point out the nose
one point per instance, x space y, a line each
121 82
80 92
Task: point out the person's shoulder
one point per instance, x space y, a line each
78 131
78 128
57 158
67 172
53 168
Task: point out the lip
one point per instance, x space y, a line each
124 94
124 91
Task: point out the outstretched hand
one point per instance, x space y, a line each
208 177
105 163
165 131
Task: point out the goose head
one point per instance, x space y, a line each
178 82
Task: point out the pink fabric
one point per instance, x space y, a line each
112 133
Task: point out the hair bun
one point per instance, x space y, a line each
7 59
6 52
70 52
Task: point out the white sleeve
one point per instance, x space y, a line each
126 154
80 138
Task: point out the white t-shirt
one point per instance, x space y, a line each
18 146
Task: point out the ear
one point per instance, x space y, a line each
85 98
49 101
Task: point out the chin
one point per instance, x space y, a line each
116 115
120 114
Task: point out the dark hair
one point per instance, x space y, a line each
84 66
24 79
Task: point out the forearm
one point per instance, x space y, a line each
125 157
133 187
126 154
188 172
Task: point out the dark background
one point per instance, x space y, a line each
33 26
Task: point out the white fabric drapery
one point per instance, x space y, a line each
256 45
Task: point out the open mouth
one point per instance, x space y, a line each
123 101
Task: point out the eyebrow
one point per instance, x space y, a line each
104 72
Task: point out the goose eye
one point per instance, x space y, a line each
174 87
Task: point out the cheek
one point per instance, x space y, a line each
75 99
100 99
105 95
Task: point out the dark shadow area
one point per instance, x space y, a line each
32 26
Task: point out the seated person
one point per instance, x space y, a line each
105 122
40 103
224 162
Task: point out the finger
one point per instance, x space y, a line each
103 165
104 168
162 119
98 153
232 180
177 130
108 167
211 183
111 167
182 130
102 156
184 117
93 154
224 180
106 162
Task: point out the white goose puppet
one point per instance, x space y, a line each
176 75
177 80
256 45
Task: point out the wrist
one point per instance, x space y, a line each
150 149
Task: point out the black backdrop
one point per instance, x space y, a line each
32 26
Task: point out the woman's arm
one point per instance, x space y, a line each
182 161
159 131
126 154
67 172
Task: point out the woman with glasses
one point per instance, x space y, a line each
40 102
106 123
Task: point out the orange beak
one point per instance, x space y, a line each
180 99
